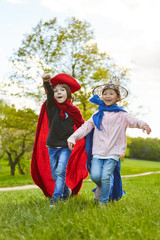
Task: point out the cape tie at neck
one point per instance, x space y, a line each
97 117
72 111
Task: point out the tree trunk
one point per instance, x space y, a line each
20 169
12 169
16 161
11 163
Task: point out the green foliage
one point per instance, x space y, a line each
17 133
70 49
88 111
27 215
141 148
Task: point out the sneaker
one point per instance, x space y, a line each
97 193
102 204
70 192
53 202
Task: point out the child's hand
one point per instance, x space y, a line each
46 77
146 128
70 145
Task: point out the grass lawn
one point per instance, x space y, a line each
6 180
134 166
26 214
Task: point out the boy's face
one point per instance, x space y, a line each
60 93
110 97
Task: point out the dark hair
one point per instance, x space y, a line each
114 87
70 95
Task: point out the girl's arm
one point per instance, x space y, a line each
146 128
133 122
80 133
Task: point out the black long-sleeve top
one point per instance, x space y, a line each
59 130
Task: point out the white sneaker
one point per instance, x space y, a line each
70 192
68 195
102 204
97 193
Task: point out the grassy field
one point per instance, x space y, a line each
26 214
132 166
129 166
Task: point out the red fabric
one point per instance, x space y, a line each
40 165
72 111
65 78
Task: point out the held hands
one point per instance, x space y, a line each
70 145
146 128
46 77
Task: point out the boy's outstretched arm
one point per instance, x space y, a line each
46 77
146 128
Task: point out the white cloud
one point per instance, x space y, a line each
16 1
126 26
75 7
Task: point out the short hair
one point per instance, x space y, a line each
70 95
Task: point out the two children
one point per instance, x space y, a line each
109 137
55 128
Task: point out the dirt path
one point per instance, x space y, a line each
18 188
140 174
34 186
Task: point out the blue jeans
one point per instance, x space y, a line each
58 161
101 171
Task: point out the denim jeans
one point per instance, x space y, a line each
58 161
101 171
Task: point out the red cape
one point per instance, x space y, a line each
40 164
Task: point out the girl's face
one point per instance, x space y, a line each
110 97
60 93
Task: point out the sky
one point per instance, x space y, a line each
128 30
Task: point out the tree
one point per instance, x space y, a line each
17 133
148 149
69 49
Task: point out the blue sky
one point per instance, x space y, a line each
126 29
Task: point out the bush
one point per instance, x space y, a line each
147 149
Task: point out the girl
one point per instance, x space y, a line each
109 137
55 125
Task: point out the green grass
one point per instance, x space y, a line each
6 180
26 214
134 166
129 166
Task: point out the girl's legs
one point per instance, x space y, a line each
58 160
101 171
108 168
97 193
96 171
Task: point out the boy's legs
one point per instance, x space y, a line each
108 168
53 158
61 190
58 160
